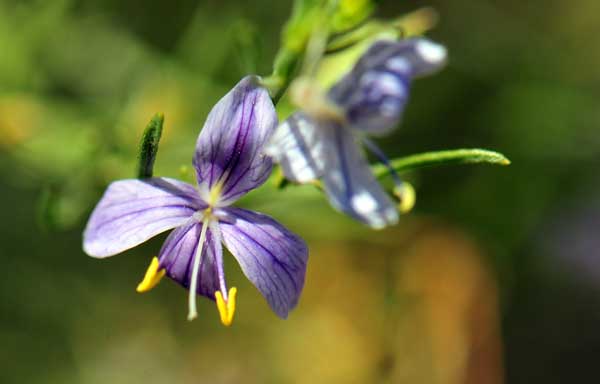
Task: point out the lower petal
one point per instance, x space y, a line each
177 258
272 258
350 185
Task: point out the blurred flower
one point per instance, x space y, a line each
571 238
228 163
321 140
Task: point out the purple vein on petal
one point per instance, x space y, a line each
238 150
275 259
264 276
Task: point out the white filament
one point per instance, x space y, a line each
192 312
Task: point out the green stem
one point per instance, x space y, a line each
413 24
285 65
454 156
347 40
306 26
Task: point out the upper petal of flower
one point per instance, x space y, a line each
299 146
350 185
132 211
375 92
415 57
177 257
229 157
271 257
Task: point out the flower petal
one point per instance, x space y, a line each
229 148
350 185
271 257
298 145
375 92
132 211
177 257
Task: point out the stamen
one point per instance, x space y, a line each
216 232
407 197
152 277
226 307
404 191
371 146
192 312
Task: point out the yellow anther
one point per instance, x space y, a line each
226 308
152 277
407 197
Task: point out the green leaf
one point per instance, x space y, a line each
411 24
305 14
305 17
447 157
149 146
350 13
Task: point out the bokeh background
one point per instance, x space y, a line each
493 278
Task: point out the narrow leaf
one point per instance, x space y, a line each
455 156
149 146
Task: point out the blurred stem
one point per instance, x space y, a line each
149 146
284 67
455 156
348 39
413 24
304 39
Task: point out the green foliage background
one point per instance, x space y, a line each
472 286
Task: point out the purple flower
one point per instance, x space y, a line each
229 162
323 140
